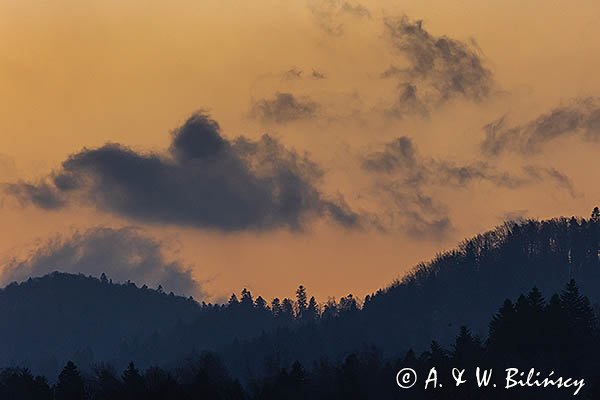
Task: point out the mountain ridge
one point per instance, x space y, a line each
464 286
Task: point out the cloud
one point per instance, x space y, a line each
284 108
41 194
292 74
330 15
400 157
408 102
409 209
122 254
397 154
440 68
316 74
403 177
406 206
204 180
514 216
557 177
578 117
418 227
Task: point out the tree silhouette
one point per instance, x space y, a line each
467 348
312 312
287 309
133 383
595 217
276 307
233 300
106 383
301 301
260 303
18 383
578 309
246 300
70 384
502 327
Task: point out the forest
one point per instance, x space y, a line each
560 334
118 340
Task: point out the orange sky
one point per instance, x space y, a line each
83 73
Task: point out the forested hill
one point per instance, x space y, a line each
465 285
60 316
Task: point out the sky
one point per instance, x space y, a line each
215 145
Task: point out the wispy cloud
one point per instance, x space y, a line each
579 117
440 68
331 15
284 108
122 254
401 159
403 178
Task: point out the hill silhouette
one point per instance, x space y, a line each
464 286
65 315
60 316
513 341
461 287
57 317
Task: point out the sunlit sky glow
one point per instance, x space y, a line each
79 74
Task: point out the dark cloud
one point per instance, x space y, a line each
41 194
122 254
403 177
284 108
579 117
203 181
440 68
330 15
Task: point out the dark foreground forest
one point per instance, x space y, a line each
559 335
70 336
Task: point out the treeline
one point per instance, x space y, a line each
459 287
559 335
117 323
464 285
299 310
112 322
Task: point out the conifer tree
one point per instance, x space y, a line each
578 309
312 310
133 383
595 217
246 299
70 384
301 301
